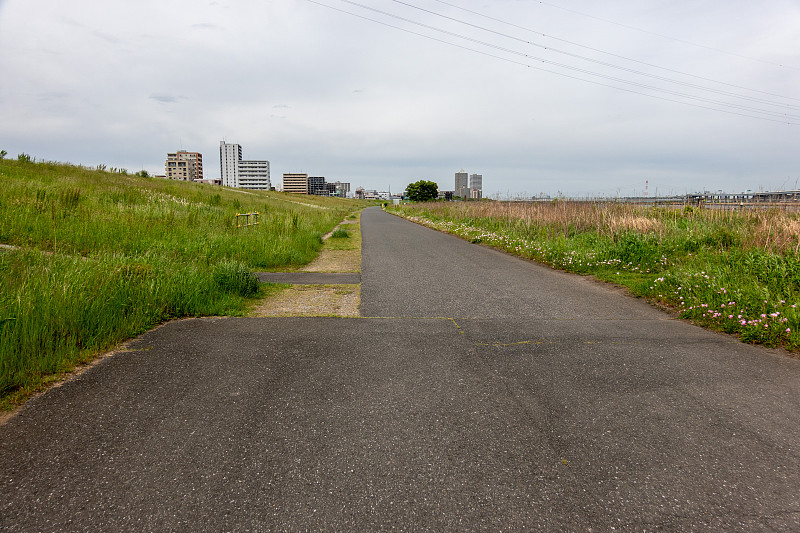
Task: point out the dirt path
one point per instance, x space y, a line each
338 255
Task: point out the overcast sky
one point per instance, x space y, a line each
314 89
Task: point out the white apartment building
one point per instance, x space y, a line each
236 172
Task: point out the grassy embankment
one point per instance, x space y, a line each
734 271
100 257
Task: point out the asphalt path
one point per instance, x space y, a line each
477 392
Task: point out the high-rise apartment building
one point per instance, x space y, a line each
476 181
462 188
296 183
476 186
236 172
184 166
229 157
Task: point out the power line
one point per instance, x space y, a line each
783 116
573 43
760 114
667 36
591 60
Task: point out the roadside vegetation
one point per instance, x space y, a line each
736 271
90 258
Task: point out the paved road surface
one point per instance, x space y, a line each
481 393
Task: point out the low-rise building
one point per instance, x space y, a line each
341 189
295 183
184 166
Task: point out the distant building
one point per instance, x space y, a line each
295 183
341 189
316 186
445 195
254 175
184 166
475 194
236 172
462 188
476 182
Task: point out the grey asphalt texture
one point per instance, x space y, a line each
478 392
310 278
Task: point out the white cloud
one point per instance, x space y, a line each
312 88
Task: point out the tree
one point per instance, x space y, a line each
422 191
3 154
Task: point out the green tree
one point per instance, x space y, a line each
3 154
422 191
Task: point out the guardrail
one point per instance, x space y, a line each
244 220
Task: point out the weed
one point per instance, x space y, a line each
236 278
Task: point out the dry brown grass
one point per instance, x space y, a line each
774 230
569 217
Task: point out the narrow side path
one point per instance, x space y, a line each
328 286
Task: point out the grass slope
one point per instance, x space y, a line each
99 257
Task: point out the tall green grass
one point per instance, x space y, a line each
737 271
100 257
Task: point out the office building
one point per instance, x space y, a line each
295 183
184 166
462 187
236 172
316 186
